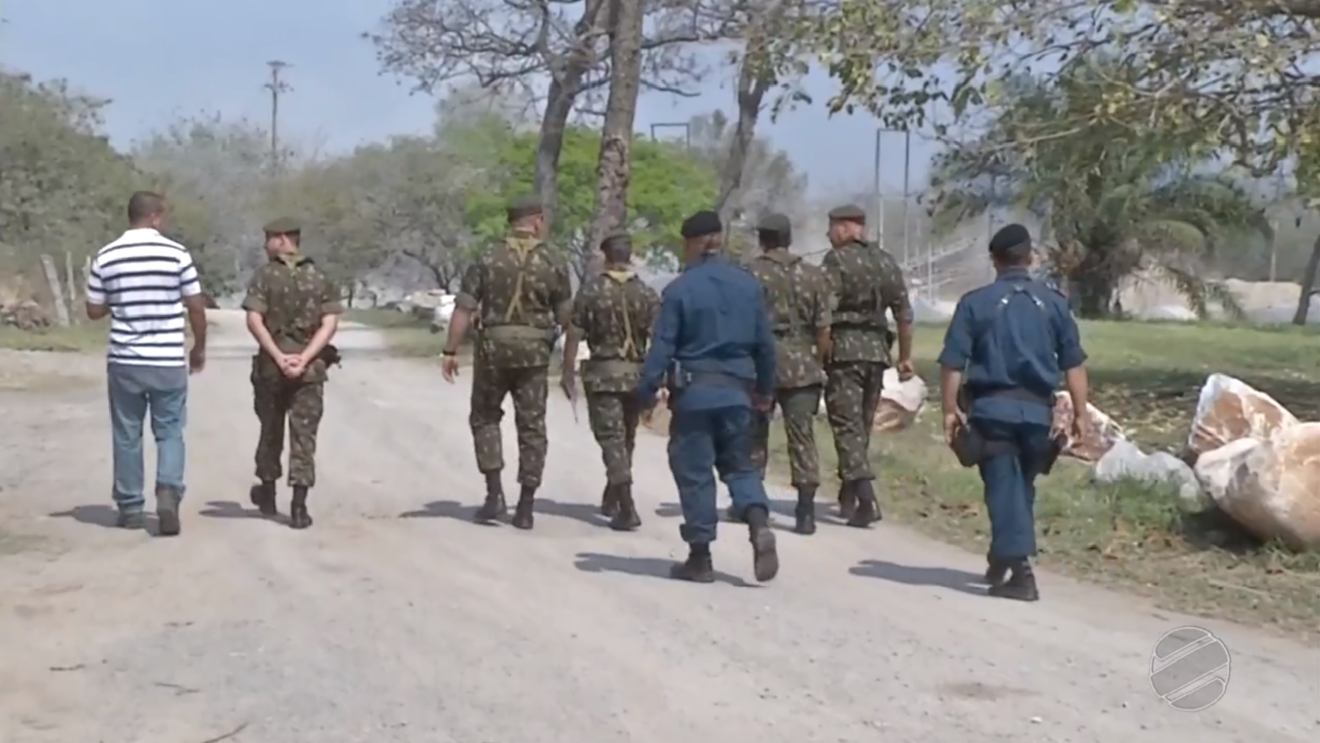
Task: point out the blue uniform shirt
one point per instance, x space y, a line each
712 320
1014 333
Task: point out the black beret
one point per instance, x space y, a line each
779 225
525 206
848 213
701 224
283 226
1010 237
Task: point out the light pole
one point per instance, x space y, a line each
878 191
685 126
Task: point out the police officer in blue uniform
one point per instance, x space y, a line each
713 348
1008 347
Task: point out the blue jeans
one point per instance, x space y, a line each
135 391
1010 485
702 442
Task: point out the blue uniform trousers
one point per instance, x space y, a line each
1010 485
702 442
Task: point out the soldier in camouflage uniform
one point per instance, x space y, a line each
614 312
797 299
864 282
292 312
522 292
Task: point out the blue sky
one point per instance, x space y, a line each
157 60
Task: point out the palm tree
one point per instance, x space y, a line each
1115 200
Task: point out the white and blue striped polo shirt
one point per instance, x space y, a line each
143 277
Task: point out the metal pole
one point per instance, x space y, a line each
276 86
878 233
1274 229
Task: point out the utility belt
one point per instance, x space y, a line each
678 378
971 448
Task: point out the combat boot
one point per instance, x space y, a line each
868 509
523 517
731 513
806 511
299 518
698 568
996 571
847 501
609 501
494 509
131 519
625 515
1021 585
263 497
765 558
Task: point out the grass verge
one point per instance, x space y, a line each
78 338
1128 536
407 335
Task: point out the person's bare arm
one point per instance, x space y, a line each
255 302
97 303
196 308
950 383
256 325
331 309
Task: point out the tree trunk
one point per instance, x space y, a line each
1308 285
565 85
753 83
613 168
56 291
1092 295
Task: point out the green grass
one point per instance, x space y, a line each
78 338
408 335
1148 377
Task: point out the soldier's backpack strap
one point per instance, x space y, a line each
522 246
631 350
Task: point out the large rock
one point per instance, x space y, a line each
27 316
1274 488
1214 469
1124 461
900 402
1099 437
1230 409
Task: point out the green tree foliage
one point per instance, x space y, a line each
668 184
63 188
1114 200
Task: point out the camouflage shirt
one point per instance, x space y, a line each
864 282
614 313
797 299
293 296
520 291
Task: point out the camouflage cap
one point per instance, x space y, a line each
525 206
848 213
777 225
283 226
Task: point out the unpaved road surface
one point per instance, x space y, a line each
396 619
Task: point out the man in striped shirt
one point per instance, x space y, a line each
147 285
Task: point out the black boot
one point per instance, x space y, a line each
625 515
806 510
1021 586
847 501
731 513
868 510
494 509
765 558
263 497
299 518
522 514
698 568
609 501
996 571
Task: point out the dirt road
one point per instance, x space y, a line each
396 619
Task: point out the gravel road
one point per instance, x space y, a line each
397 619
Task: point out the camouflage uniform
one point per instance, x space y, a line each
520 291
864 280
614 313
797 298
293 297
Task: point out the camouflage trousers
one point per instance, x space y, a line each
852 393
300 405
614 417
798 406
528 386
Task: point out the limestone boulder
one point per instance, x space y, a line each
1230 409
1273 487
1125 461
1100 436
900 402
26 315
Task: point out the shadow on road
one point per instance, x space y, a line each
443 509
957 580
228 509
587 513
780 507
93 515
648 567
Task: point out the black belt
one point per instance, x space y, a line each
718 379
1016 393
